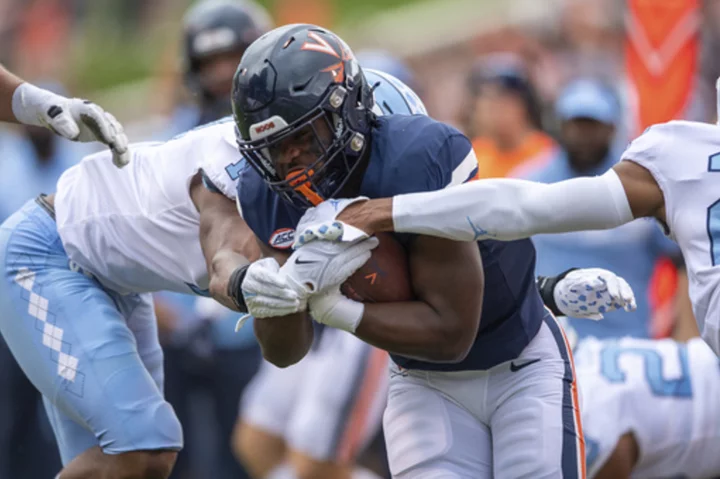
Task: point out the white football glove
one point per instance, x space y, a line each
267 292
589 293
319 223
333 309
321 265
71 118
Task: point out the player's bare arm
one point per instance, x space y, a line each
8 85
229 246
509 209
643 193
622 460
442 323
284 340
227 242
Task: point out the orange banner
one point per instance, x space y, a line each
661 55
317 12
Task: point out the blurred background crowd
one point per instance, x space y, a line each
547 90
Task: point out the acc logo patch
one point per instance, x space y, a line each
282 238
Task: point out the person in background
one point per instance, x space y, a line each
215 36
207 365
505 121
589 112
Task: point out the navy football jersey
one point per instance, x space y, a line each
413 154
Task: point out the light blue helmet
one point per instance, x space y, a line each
393 96
388 63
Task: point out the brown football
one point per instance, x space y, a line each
385 278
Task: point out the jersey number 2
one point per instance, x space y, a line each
679 387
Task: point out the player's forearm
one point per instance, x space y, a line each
222 266
502 209
284 341
233 250
8 85
508 209
415 330
226 241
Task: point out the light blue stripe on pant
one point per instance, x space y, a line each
92 353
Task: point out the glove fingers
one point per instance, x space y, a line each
359 254
272 312
270 289
304 238
263 279
93 117
627 295
613 290
264 301
119 142
356 262
328 231
63 125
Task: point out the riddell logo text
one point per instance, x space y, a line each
265 127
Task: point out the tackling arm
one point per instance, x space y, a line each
229 245
623 459
500 209
442 324
227 241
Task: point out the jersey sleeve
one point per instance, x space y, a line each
652 150
454 162
443 157
222 175
221 162
457 161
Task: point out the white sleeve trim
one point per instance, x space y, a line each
462 172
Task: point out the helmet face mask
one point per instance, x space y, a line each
303 129
317 143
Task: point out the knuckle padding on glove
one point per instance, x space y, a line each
54 111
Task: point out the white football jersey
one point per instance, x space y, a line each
684 159
136 229
663 392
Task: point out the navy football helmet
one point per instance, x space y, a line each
301 83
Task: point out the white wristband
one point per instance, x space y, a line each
337 311
28 101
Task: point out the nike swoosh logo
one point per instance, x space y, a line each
517 367
299 261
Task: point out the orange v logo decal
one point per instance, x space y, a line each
321 46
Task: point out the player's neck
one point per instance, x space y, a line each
353 185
